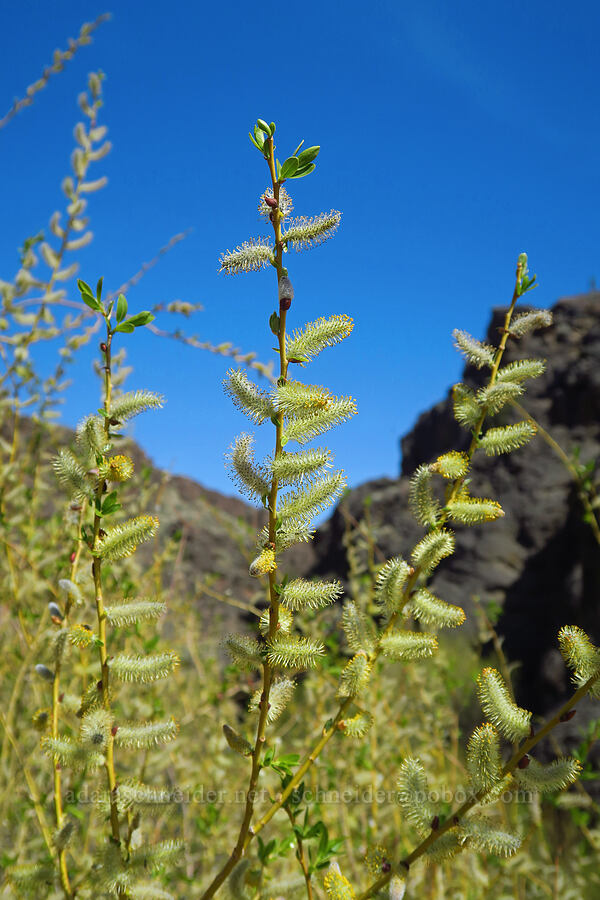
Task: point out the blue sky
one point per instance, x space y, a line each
453 135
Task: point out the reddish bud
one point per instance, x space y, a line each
285 303
99 685
72 556
103 347
114 730
386 866
566 717
455 820
60 698
271 202
435 823
523 762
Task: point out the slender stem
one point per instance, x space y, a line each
56 699
496 365
301 857
454 818
35 797
246 832
329 732
97 574
307 762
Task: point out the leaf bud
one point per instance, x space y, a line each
523 762
55 613
114 730
271 202
44 672
237 742
103 347
72 557
286 289
284 305
568 715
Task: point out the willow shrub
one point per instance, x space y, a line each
87 732
293 487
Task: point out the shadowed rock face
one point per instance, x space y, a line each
540 562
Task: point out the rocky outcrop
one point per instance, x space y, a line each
540 562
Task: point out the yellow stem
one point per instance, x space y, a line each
97 574
454 818
246 832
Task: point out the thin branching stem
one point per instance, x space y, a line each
246 831
301 857
457 815
332 729
56 699
97 574
456 487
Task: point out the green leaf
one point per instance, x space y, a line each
259 137
125 327
99 289
87 296
141 318
278 165
307 156
263 126
268 757
289 759
272 128
284 764
111 504
305 170
121 307
274 323
288 168
254 141
84 288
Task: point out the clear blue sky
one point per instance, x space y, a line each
453 135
